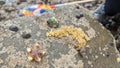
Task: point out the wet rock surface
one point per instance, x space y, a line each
59 53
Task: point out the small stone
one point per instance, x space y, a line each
77 7
40 2
107 55
53 22
89 62
88 6
1 61
118 59
2 2
103 54
32 2
79 15
96 56
87 46
46 1
94 3
111 44
26 35
90 51
10 8
100 2
30 58
28 49
13 28
100 49
20 1
83 52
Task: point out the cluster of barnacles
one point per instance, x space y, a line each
35 53
76 33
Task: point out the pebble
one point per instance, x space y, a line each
96 56
87 46
94 3
111 44
90 51
101 53
10 1
20 1
83 52
26 35
88 6
9 9
1 61
78 16
32 2
100 2
107 55
46 1
53 22
2 2
77 7
118 59
90 63
100 49
104 55
13 28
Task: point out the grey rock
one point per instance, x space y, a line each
58 55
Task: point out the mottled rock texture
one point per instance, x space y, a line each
59 53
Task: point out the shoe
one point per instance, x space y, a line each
99 14
108 22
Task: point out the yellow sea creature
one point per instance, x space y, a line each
76 33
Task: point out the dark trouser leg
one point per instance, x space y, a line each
112 7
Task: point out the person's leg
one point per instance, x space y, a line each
109 8
104 12
100 15
112 7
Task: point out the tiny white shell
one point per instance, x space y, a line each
28 49
30 58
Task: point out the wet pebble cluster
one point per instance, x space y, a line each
15 28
